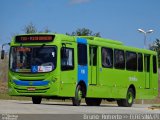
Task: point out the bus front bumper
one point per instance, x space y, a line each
32 88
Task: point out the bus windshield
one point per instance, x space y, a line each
33 59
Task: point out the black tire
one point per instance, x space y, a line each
89 101
78 96
120 102
36 100
93 101
128 102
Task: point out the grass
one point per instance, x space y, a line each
7 97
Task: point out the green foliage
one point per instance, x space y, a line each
84 32
46 30
156 47
30 28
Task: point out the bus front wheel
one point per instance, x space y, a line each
78 96
36 100
128 102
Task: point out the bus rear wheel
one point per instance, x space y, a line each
128 102
78 96
93 101
36 100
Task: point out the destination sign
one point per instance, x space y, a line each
34 38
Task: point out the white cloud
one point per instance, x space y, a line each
79 1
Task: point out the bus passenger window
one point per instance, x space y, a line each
131 61
140 62
82 54
107 57
67 59
119 60
154 64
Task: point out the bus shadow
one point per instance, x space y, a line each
57 104
83 105
45 103
66 104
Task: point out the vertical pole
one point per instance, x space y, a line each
145 40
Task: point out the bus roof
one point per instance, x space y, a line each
95 40
98 39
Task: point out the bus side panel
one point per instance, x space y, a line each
110 85
98 91
118 80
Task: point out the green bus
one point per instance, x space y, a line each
57 66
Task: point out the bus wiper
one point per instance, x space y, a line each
42 45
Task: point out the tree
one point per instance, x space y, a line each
156 47
28 29
46 30
84 32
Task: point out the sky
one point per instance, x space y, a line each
114 19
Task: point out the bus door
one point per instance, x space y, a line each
68 74
93 64
147 70
82 60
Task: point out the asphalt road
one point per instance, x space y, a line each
26 107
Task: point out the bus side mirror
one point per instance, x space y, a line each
2 54
2 51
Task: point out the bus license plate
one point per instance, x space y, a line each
31 89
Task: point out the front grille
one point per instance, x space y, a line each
31 83
37 90
32 79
